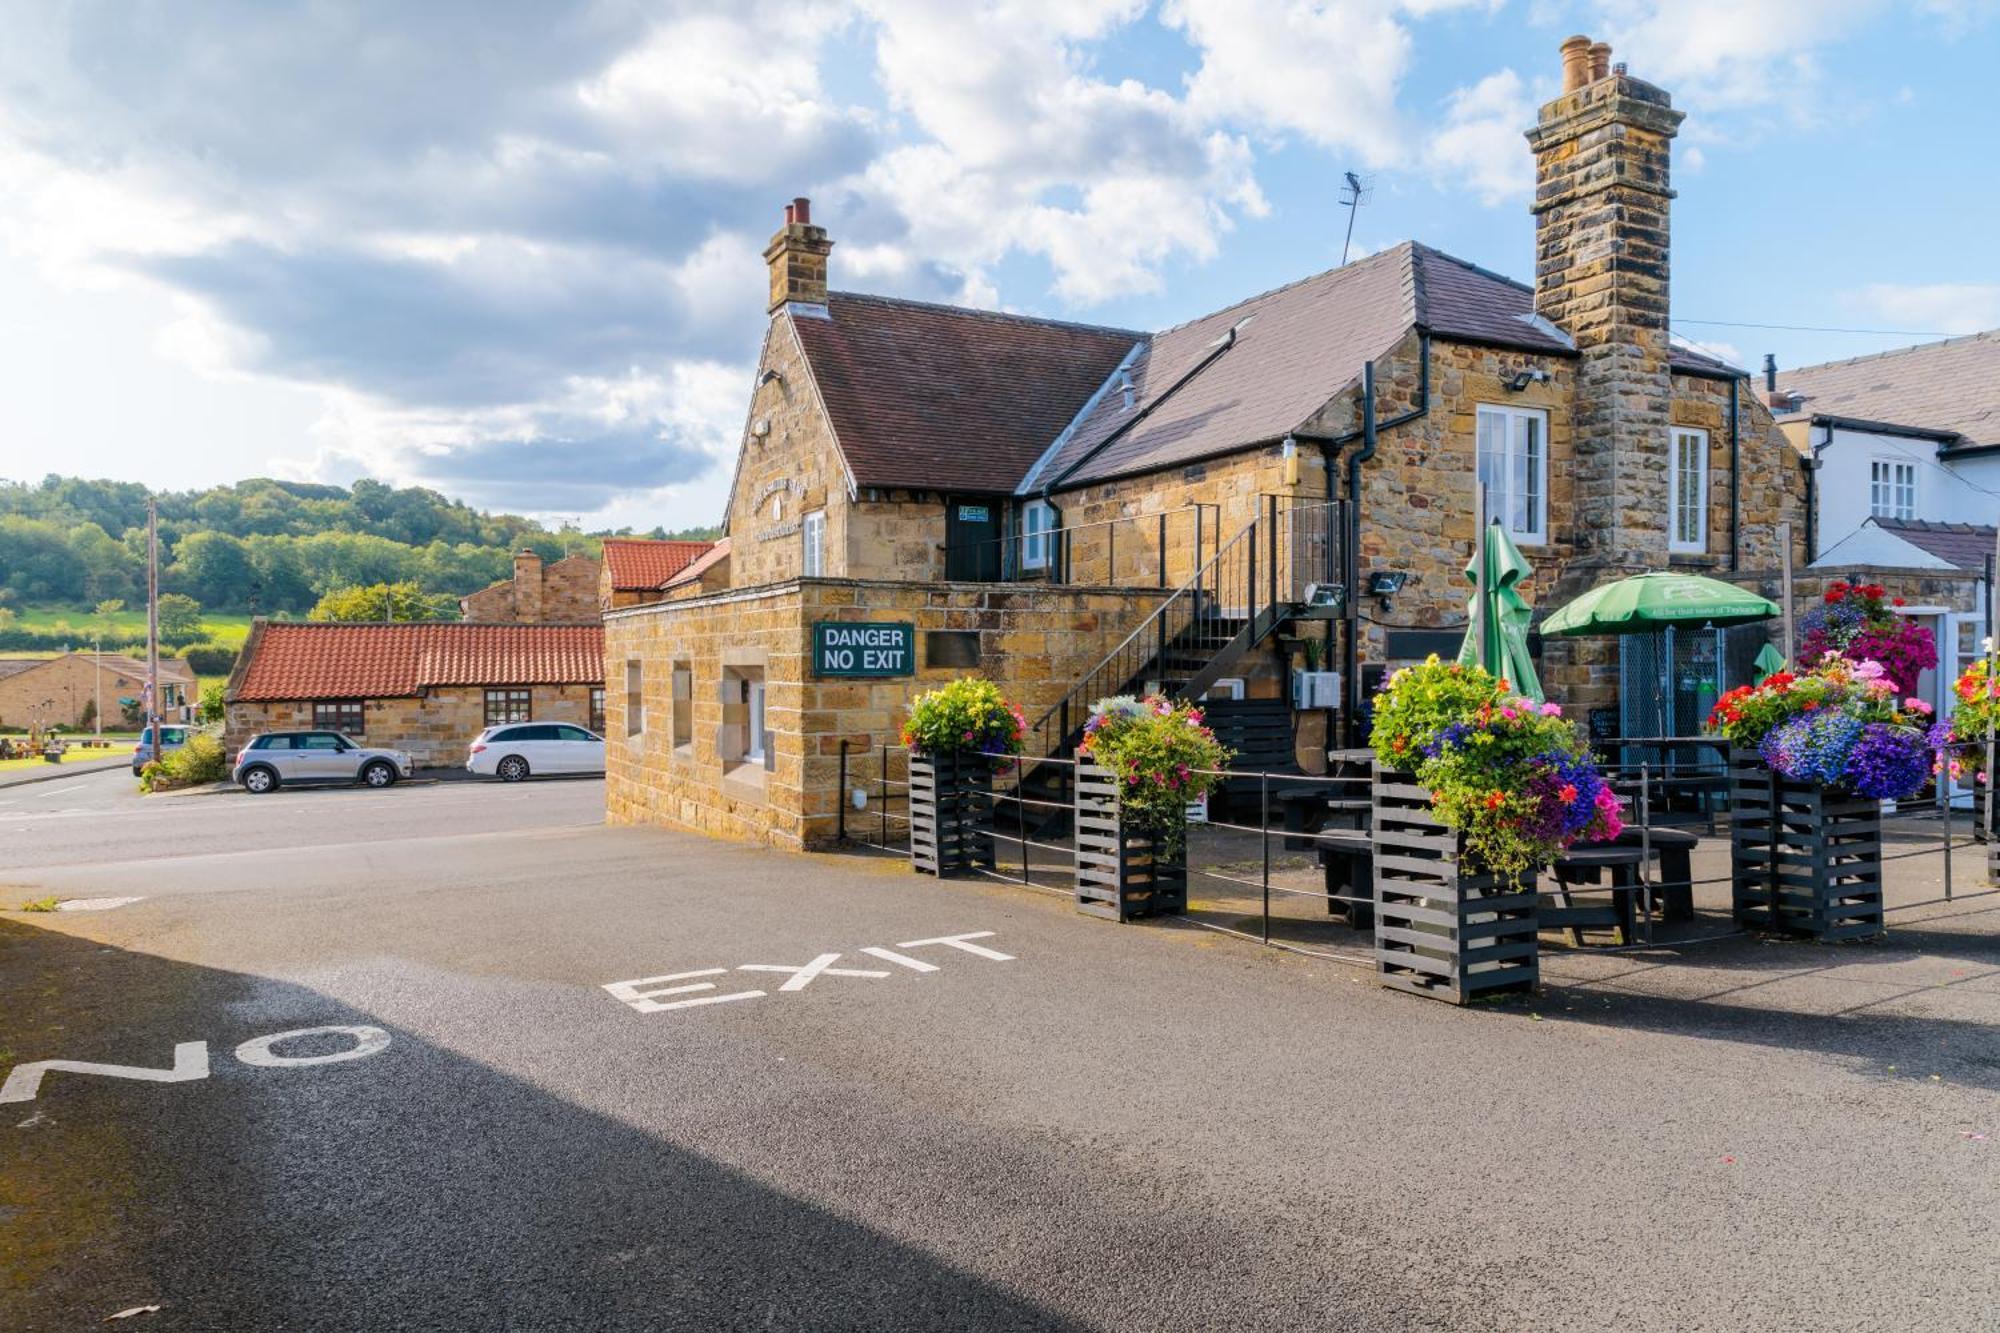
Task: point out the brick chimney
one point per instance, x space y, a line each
1601 263
797 256
527 587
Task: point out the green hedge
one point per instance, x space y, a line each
208 659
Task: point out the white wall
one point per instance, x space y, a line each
1964 492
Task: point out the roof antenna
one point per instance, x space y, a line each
1355 193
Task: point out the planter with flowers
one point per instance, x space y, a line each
1858 621
1813 756
1974 720
954 735
1476 788
1140 764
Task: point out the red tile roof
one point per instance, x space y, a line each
709 559
940 398
641 564
288 660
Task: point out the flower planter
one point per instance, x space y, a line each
1120 872
1441 930
1803 860
951 813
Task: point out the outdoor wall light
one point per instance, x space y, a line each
770 377
1291 456
1525 378
1384 584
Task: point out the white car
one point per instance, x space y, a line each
521 750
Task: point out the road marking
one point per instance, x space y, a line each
803 977
891 956
959 942
257 1051
646 1003
190 1063
95 904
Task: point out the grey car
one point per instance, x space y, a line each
275 758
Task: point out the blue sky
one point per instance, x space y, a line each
511 250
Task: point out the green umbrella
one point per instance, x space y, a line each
1769 661
1658 601
1498 636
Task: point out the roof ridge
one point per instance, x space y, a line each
431 624
1400 247
1467 264
1888 352
990 314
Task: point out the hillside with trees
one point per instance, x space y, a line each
257 547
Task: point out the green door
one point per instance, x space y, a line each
972 539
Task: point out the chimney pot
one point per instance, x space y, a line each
1600 61
802 208
791 214
1576 63
1770 372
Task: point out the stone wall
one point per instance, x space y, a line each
64 691
565 592
435 728
1035 642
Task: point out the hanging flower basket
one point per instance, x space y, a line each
955 734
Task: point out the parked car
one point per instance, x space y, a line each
275 758
519 750
171 739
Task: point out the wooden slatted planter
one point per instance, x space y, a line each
1804 860
951 813
1441 930
1120 873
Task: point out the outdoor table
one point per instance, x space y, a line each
1306 810
1347 857
1623 863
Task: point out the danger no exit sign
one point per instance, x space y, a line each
864 648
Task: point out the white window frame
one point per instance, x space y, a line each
1038 523
755 738
1502 501
1882 491
812 540
1677 504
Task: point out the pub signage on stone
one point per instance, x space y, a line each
876 648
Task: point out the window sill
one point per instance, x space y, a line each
745 781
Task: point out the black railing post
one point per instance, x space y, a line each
1021 809
1163 548
1272 546
1250 583
1198 562
1264 831
1111 554
840 807
882 806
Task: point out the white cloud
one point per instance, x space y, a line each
1479 145
1942 307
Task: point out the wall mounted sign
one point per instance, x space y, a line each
974 514
864 648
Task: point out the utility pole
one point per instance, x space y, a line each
97 687
1356 194
152 710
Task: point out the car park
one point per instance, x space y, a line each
522 750
278 758
171 739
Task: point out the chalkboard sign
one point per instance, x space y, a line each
864 648
1604 725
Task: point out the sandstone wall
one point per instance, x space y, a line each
793 469
64 689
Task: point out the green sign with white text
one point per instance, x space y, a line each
864 648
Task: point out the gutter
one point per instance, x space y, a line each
1811 466
1735 479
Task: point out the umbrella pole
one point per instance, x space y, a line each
1480 617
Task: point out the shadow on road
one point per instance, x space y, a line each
413 1188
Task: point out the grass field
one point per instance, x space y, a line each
76 754
128 626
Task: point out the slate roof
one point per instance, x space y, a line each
171 668
942 398
1950 387
307 660
639 564
1965 545
1296 348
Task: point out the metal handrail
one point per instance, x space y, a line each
1061 540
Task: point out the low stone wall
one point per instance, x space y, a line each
434 728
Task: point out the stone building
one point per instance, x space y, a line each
427 688
83 691
1078 511
635 569
564 593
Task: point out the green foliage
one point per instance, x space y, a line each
47 904
180 619
1422 701
209 659
403 600
212 707
1165 755
201 761
1976 715
968 716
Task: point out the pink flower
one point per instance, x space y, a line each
1552 710
1918 706
1509 714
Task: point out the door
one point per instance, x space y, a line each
581 751
320 756
537 744
972 540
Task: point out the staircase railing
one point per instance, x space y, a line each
1238 595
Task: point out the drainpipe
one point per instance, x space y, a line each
1735 479
1369 427
1812 494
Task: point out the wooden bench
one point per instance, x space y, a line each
1348 858
1582 865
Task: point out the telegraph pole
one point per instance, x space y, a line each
153 624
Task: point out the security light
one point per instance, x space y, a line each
1384 584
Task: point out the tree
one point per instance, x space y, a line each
384 601
211 701
180 619
104 618
215 568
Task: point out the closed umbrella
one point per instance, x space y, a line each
1769 662
1497 638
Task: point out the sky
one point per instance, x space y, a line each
511 249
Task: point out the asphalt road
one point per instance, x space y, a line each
1138 1127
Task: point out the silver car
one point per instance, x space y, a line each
275 758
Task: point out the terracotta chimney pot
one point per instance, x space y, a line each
1600 61
1576 63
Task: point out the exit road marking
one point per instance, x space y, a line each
646 995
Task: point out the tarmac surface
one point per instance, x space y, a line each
1110 1127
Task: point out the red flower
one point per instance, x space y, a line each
1494 801
1568 793
1897 602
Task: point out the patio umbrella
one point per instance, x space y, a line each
1659 601
1497 638
1769 661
